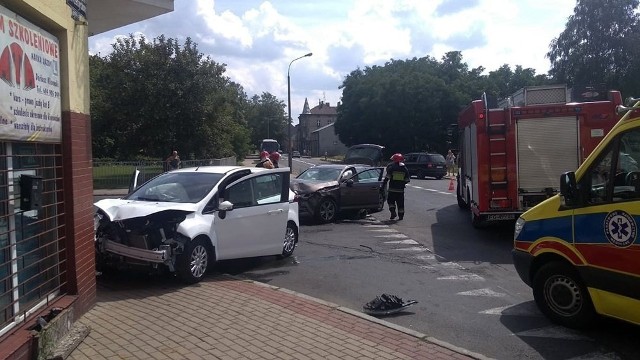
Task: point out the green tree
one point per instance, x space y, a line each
149 98
267 119
411 105
598 46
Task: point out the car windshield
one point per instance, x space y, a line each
181 187
320 174
363 152
437 158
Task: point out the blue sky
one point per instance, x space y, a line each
258 39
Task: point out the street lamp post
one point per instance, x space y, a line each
289 102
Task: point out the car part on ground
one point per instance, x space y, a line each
386 304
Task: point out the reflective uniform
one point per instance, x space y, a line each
397 177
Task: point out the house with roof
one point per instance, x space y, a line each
315 133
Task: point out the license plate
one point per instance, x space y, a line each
439 166
501 217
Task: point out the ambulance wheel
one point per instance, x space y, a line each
561 295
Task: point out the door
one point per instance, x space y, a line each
257 223
364 189
606 228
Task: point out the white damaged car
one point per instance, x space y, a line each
187 219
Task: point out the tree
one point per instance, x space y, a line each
598 46
149 98
411 105
266 118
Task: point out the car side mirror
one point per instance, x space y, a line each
568 188
223 207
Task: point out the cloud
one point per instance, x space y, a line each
257 39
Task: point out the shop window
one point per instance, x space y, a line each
31 247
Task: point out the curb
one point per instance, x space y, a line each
361 315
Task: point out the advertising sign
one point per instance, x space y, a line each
30 88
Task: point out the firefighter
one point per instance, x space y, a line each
397 177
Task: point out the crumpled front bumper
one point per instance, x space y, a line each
162 255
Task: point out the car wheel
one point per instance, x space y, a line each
290 240
192 264
561 296
327 210
381 201
420 174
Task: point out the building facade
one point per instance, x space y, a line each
47 257
315 124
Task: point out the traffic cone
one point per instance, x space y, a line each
451 185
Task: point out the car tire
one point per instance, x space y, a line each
327 210
461 203
562 297
421 175
290 240
381 201
192 264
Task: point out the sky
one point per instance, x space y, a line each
258 40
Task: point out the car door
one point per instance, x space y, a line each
364 188
257 223
606 227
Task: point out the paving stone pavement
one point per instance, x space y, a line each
224 317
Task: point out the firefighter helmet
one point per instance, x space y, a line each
397 157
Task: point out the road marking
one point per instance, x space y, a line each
524 309
375 226
554 332
432 190
426 257
403 242
393 236
388 230
451 265
482 292
470 277
415 248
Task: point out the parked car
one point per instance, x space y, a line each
423 164
367 154
187 219
326 190
295 154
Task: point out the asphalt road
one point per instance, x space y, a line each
467 290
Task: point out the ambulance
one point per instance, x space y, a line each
579 250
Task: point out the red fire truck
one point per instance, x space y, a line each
512 155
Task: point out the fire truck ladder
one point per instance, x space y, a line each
497 130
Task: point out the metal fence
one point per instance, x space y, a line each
117 174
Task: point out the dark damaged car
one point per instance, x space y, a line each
325 191
185 220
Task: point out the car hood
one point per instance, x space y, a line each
120 209
307 186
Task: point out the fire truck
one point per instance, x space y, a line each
512 153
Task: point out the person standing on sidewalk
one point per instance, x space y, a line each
173 161
265 162
451 163
397 177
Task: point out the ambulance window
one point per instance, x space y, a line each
601 178
627 172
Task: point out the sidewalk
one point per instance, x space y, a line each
224 317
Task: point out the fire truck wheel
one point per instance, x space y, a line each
461 202
561 295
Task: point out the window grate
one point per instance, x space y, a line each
32 249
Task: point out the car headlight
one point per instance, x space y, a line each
518 228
